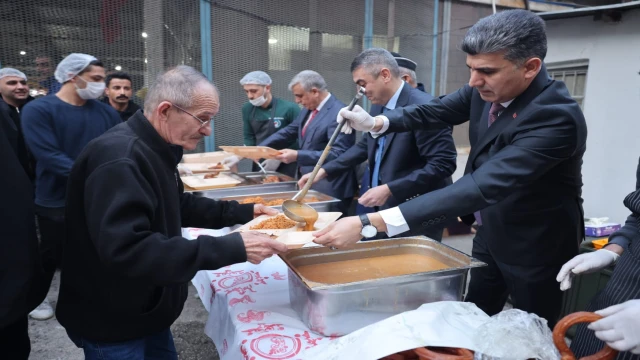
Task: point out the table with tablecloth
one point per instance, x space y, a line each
249 312
250 318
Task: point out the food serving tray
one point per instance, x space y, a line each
330 308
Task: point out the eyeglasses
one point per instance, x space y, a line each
202 123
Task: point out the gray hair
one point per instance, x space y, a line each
519 33
374 59
308 79
176 85
412 74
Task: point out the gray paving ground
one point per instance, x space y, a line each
49 340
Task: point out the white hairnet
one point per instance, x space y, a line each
256 78
4 72
71 66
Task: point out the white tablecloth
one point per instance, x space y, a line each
249 312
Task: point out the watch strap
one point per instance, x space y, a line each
365 220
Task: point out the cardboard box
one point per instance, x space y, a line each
601 229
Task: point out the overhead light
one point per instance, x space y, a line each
273 41
23 52
145 60
118 67
144 35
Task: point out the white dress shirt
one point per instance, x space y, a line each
324 101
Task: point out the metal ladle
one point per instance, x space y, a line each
294 207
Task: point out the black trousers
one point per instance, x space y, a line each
52 237
14 340
533 289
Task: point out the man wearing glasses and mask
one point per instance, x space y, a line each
126 265
56 128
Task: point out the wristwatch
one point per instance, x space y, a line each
368 230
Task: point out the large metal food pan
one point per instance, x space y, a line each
326 203
339 309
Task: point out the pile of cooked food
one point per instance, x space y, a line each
274 202
217 166
275 223
271 179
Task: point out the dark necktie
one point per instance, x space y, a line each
494 112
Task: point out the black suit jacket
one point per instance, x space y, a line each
413 163
21 273
523 173
313 143
11 126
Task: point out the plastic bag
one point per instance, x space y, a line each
515 335
595 221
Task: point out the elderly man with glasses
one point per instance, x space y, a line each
126 266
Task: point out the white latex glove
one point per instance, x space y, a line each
620 327
184 171
271 164
585 264
357 119
231 161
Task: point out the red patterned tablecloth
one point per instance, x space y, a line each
249 312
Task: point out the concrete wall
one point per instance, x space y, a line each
612 104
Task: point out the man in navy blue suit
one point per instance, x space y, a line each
313 128
405 165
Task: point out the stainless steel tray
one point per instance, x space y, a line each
326 203
247 190
338 309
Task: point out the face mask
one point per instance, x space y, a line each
93 90
259 101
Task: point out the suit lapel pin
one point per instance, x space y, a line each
515 115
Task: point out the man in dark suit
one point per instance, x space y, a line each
20 267
407 74
523 178
408 71
313 128
403 166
